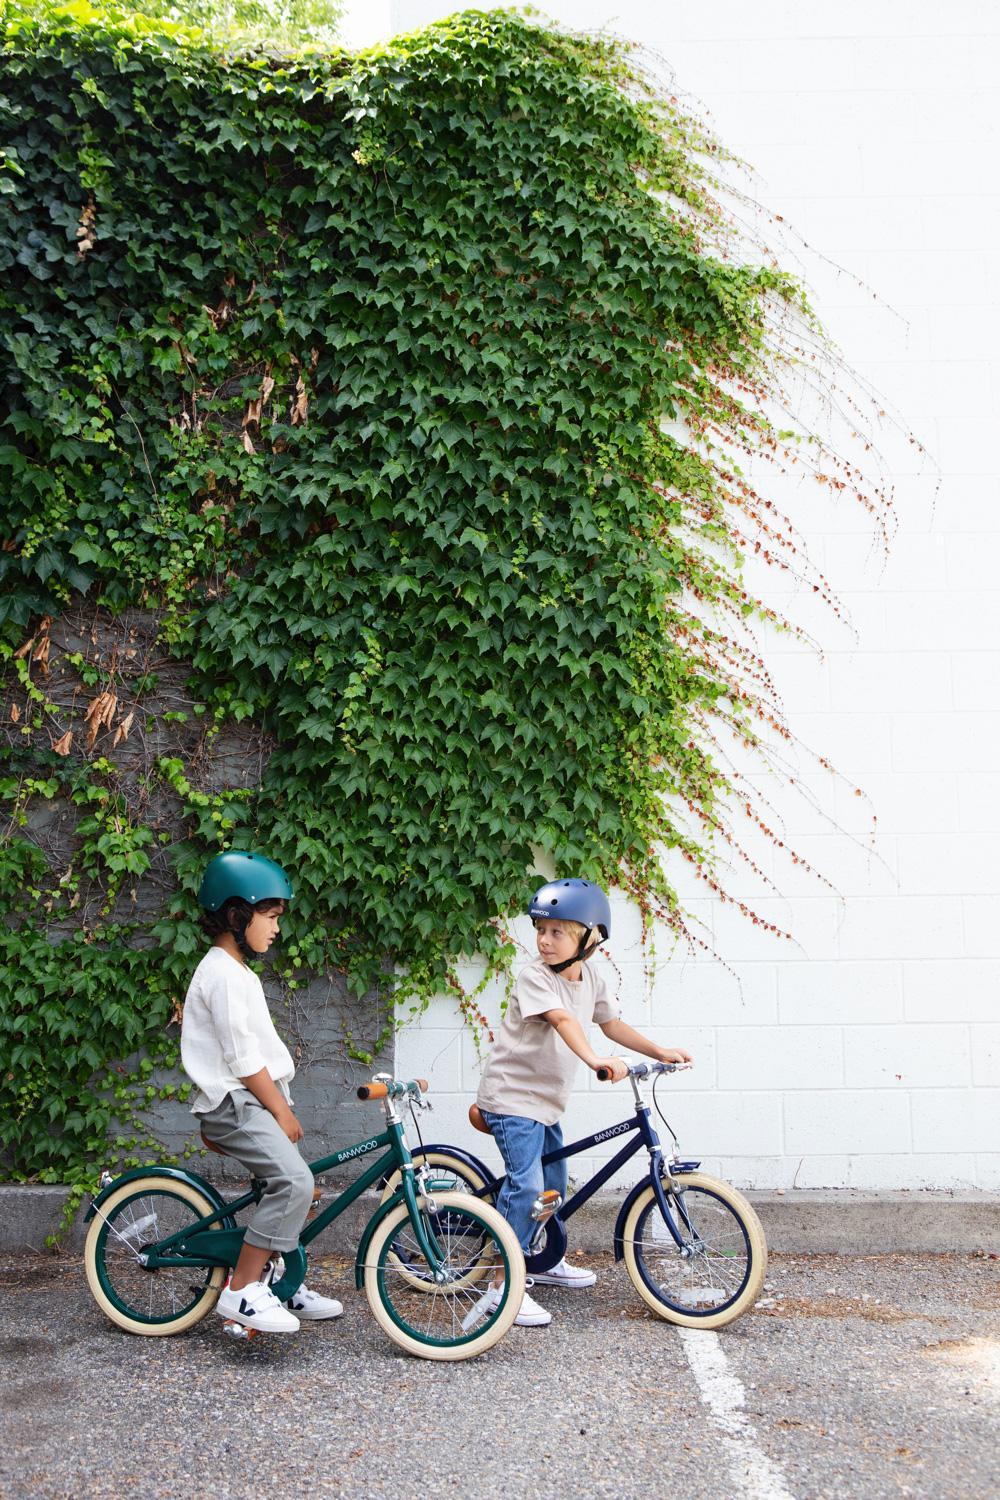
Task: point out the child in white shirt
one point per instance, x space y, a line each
242 1069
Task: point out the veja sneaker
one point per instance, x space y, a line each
256 1306
311 1307
305 1304
530 1315
564 1274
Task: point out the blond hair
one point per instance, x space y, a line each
575 929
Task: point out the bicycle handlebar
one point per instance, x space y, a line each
643 1070
395 1088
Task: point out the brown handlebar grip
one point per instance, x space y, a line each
372 1091
422 1084
604 1074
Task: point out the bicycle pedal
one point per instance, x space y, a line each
545 1205
238 1330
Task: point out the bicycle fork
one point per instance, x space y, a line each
670 1201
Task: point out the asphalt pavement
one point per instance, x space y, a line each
856 1376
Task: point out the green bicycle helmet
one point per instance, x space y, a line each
252 877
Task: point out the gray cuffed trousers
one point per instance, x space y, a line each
248 1132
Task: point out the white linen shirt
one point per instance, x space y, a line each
227 1033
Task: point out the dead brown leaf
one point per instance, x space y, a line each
85 230
121 733
62 745
100 713
248 446
219 315
15 714
300 406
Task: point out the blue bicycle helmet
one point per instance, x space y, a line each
574 901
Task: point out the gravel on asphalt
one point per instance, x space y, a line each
863 1377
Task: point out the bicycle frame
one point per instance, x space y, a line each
647 1137
203 1245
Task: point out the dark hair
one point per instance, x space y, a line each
234 916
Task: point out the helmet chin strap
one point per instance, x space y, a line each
240 934
582 953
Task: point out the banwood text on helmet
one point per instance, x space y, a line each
574 901
252 877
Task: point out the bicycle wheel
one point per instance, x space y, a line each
161 1300
717 1273
461 1178
441 1317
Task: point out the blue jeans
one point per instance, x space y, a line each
522 1144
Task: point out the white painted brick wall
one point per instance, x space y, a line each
868 1054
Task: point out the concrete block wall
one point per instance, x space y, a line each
866 1054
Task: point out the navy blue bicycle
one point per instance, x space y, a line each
692 1245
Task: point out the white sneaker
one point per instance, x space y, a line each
311 1307
564 1274
256 1306
305 1304
530 1315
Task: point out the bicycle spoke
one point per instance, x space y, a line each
715 1268
433 1309
149 1294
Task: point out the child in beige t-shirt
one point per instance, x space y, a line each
526 1083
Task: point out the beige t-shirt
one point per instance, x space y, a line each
530 1069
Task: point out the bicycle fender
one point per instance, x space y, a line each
466 1157
623 1214
641 1185
370 1228
178 1174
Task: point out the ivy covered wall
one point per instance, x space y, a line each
351 375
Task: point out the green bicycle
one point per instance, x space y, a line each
162 1241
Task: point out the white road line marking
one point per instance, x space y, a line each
754 1473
